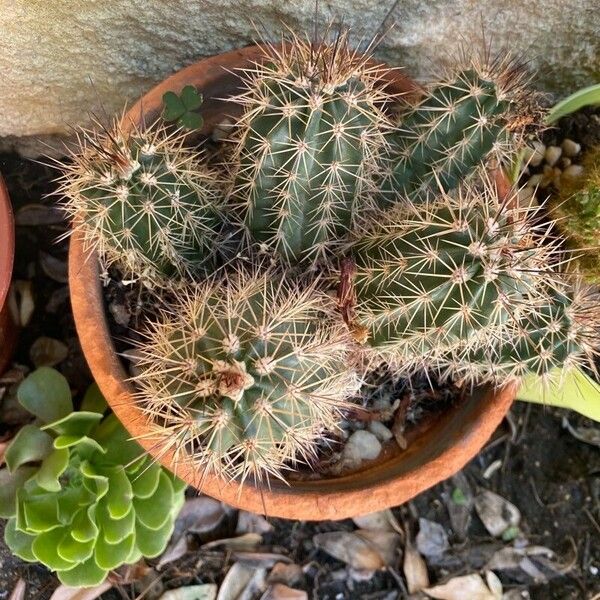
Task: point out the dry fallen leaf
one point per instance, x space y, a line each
496 513
260 559
467 587
54 268
520 558
283 592
289 574
21 303
243 543
252 523
47 352
18 592
242 582
588 435
432 539
198 515
415 569
363 550
62 592
383 520
205 591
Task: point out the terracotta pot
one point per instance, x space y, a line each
7 254
396 477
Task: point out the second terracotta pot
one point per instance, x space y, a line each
7 254
439 452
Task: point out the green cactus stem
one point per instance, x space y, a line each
144 201
245 375
307 146
474 114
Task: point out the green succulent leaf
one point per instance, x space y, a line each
585 97
116 441
87 574
86 444
180 108
109 556
45 549
74 551
120 494
46 394
53 466
144 484
578 391
93 400
76 424
94 482
41 514
155 511
150 542
115 530
29 445
19 543
84 528
10 483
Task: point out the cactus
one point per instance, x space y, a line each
245 375
577 213
560 334
80 497
308 146
474 114
431 277
146 203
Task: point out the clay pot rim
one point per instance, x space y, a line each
381 485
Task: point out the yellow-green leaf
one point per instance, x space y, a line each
578 391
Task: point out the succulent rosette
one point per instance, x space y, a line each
80 496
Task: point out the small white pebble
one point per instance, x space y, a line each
535 180
573 171
552 155
222 130
570 148
537 154
380 431
362 445
565 162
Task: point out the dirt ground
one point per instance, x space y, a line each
533 461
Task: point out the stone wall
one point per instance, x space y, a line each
62 59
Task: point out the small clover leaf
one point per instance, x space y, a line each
180 108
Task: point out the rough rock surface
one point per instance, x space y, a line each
63 59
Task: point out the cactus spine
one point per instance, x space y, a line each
434 277
245 375
144 201
472 115
308 145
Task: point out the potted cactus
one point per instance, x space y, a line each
79 495
339 175
7 235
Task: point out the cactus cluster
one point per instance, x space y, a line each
246 374
79 495
247 370
144 201
308 146
577 213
